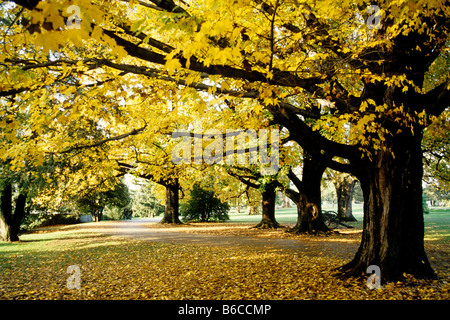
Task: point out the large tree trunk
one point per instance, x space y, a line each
171 210
9 222
393 219
6 212
309 204
268 220
19 214
344 193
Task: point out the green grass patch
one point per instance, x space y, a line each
437 225
437 222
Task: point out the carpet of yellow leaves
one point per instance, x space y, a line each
115 268
341 243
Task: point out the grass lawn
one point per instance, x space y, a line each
437 225
287 215
437 222
115 268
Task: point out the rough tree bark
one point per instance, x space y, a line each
268 220
393 234
171 210
344 192
10 222
6 212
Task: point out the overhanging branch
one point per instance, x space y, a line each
439 98
99 143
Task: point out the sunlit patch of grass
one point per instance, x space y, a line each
437 225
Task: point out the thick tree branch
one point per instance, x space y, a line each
145 4
439 98
99 143
148 40
283 78
295 180
170 6
303 112
272 36
160 75
128 168
314 143
291 194
13 92
245 179
29 4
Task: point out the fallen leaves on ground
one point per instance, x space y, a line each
342 243
115 268
247 230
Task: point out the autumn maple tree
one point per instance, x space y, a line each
313 67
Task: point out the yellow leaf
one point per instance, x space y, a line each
363 106
172 65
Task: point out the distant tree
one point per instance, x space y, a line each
358 193
266 185
204 205
94 202
425 207
145 203
437 196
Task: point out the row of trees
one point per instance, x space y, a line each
85 100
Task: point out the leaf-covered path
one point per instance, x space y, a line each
341 245
148 230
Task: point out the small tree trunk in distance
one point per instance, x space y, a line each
286 203
100 214
393 235
268 220
97 214
171 210
344 192
252 210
